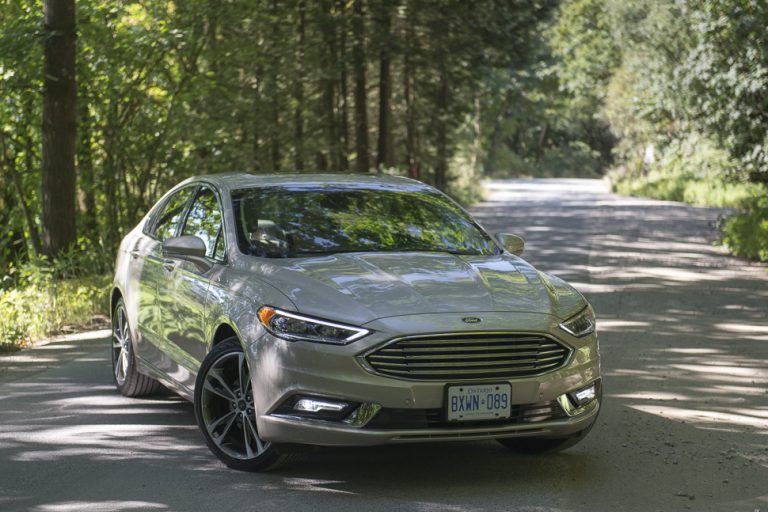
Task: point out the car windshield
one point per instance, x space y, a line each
298 221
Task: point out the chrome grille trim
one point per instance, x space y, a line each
467 356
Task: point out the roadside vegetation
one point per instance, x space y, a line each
682 87
44 297
666 98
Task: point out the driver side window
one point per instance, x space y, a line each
172 214
204 222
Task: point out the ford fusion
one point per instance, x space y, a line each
345 310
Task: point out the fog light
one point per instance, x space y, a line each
584 395
314 405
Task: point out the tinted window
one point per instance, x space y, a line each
304 220
204 221
172 214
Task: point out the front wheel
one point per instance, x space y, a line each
225 411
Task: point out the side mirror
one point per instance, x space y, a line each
511 243
189 248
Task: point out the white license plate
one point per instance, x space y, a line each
478 402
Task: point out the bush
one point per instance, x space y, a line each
717 193
692 170
746 233
573 160
46 307
41 298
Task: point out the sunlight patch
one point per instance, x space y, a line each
99 506
694 416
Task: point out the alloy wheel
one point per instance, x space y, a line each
121 343
227 407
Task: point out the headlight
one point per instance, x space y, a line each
581 324
295 327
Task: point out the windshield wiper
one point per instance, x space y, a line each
461 253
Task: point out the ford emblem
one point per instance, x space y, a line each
471 320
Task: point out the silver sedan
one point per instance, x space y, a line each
347 310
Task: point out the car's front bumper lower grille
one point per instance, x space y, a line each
415 419
469 356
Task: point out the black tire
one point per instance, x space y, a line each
127 378
225 413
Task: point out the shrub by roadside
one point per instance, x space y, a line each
44 306
708 191
746 233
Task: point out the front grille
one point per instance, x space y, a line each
415 419
469 356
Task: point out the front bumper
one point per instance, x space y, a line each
282 369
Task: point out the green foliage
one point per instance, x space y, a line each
573 160
583 43
726 74
167 90
694 170
714 192
43 306
41 297
683 87
746 234
539 119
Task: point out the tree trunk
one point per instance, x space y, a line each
275 65
328 28
256 123
298 93
358 65
343 92
109 178
384 153
59 126
441 166
408 97
86 174
10 163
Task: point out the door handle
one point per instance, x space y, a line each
169 265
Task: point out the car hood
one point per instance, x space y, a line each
361 287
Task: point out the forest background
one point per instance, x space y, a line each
105 104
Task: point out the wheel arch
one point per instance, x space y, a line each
224 331
115 296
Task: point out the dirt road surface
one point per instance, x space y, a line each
684 426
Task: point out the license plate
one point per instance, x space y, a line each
478 402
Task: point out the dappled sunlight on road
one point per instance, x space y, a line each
683 331
683 328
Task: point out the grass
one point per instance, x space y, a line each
706 191
44 307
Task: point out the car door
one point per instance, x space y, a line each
148 265
183 290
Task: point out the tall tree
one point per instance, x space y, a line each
298 93
384 151
58 129
361 94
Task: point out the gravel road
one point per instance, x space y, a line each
684 339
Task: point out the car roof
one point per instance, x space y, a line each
232 180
